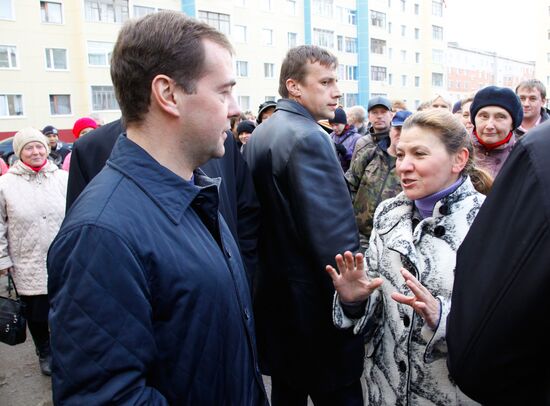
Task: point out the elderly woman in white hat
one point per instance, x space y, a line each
32 207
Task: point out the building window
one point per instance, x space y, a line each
340 43
11 105
417 57
292 39
403 5
417 9
265 5
240 3
547 57
346 15
267 36
417 81
341 72
403 80
389 27
6 10
377 19
437 33
323 8
50 12
270 98
378 73
291 7
437 56
103 98
351 45
244 102
216 20
8 56
437 79
390 53
269 70
242 69
437 8
323 38
351 72
239 33
403 30
106 11
417 33
140 11
377 46
390 79
403 56
352 99
60 104
56 58
99 53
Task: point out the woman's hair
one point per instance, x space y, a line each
454 136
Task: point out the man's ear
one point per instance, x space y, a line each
163 94
293 87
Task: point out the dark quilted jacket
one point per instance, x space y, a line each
149 299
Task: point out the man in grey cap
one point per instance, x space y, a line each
380 116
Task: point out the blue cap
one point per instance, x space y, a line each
400 118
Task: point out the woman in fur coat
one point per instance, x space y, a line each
401 300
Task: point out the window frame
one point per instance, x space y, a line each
107 55
9 67
61 11
9 116
49 57
52 114
92 98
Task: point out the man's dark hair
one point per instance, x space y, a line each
166 43
533 84
294 65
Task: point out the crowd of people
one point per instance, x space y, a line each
359 256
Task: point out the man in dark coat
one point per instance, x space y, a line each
238 202
497 341
148 293
307 219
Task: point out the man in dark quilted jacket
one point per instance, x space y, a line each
149 298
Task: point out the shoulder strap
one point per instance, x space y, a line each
10 278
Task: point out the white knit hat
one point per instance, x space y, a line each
26 135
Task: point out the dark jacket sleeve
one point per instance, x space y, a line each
498 349
100 321
320 200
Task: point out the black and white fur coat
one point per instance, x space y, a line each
405 360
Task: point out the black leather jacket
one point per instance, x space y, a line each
306 219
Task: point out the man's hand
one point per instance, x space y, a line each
351 281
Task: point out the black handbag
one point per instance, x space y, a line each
13 324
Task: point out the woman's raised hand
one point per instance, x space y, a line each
351 281
422 301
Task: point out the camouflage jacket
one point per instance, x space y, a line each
371 179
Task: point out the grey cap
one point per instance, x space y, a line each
379 101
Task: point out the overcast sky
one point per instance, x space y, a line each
504 27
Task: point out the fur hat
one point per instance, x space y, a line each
26 135
339 117
501 97
245 126
81 124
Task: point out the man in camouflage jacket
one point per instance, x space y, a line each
372 178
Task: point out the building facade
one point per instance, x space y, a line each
54 55
469 70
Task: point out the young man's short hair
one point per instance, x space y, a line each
532 84
294 65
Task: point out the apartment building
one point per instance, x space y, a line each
469 70
542 22
54 55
